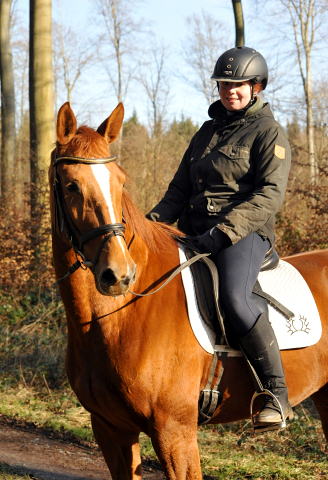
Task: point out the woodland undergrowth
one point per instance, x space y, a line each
33 331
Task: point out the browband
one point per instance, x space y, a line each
90 161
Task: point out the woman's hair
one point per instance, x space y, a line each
258 87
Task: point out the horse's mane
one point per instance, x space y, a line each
157 236
87 143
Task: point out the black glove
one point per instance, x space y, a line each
212 240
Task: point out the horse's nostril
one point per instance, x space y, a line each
126 281
108 278
129 279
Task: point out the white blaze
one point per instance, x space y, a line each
102 176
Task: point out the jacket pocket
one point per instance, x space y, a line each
231 165
235 152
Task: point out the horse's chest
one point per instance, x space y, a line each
100 384
100 394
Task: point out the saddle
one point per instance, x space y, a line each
206 282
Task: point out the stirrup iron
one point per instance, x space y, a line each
272 426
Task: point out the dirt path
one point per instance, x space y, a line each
43 455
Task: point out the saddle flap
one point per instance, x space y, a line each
203 283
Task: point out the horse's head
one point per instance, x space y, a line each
87 199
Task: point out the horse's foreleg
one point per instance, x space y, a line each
177 449
121 451
320 399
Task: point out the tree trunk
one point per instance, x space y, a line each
309 123
8 128
42 126
239 22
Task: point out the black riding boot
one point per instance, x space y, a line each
262 350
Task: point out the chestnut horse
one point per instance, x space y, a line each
134 362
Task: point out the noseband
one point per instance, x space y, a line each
64 221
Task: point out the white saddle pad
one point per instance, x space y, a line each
283 283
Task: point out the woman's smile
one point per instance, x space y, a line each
235 95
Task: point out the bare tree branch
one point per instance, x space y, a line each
306 19
73 54
155 80
206 40
119 46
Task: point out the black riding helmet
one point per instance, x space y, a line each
241 64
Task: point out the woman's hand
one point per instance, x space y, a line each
212 240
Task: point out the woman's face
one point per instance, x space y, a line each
235 95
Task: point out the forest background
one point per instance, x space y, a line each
113 52
95 54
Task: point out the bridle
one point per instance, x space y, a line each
63 220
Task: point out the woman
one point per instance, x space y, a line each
227 190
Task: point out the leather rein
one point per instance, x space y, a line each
64 221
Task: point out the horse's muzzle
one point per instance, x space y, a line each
108 284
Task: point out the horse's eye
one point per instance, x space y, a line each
73 187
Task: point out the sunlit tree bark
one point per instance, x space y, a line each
42 131
8 127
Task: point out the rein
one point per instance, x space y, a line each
77 240
64 221
173 274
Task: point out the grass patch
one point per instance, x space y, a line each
33 383
8 473
34 388
60 411
232 451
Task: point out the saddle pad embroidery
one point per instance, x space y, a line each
285 284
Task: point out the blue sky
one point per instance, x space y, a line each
168 22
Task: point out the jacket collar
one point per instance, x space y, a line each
218 112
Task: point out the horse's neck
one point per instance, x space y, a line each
151 266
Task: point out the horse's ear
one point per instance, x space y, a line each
66 124
111 127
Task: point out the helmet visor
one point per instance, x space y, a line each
228 78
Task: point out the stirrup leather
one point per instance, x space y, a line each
272 426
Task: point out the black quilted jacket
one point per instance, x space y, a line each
233 175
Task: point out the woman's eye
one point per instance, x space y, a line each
73 187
